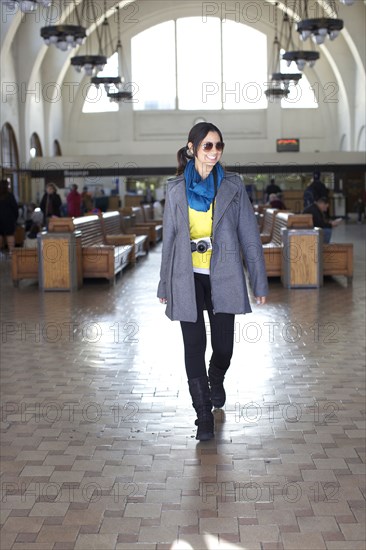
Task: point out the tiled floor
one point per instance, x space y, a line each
98 447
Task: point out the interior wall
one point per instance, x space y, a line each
9 111
146 134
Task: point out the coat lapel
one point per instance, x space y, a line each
226 193
181 198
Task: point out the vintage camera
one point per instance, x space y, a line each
201 245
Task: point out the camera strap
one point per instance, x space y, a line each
213 200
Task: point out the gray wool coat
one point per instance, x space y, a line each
235 238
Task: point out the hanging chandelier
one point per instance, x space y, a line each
276 91
91 63
114 85
301 58
64 36
29 6
278 86
109 81
292 54
117 93
318 28
116 97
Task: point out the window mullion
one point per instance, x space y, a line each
222 65
176 65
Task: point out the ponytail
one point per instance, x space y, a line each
183 156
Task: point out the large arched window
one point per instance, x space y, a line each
35 146
9 148
187 64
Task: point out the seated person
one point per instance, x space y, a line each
275 202
31 237
318 209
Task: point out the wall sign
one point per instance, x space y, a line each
291 145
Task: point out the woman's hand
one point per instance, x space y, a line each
261 300
163 300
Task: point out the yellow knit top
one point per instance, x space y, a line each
200 225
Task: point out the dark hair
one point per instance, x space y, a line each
34 230
196 136
325 200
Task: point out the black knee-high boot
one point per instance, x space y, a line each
200 393
216 377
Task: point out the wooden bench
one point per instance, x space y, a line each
268 223
134 214
111 225
24 264
273 249
337 258
148 214
99 259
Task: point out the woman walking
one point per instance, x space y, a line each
209 230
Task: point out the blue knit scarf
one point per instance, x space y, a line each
200 193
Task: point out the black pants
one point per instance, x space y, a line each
194 334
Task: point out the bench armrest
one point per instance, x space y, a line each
136 230
120 239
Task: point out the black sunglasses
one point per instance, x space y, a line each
208 146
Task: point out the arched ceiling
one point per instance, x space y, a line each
139 14
340 60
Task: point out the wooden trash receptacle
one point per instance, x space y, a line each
302 258
60 265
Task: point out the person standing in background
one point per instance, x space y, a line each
50 203
272 188
8 216
86 200
73 201
315 190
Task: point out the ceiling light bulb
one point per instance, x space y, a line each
318 39
333 35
